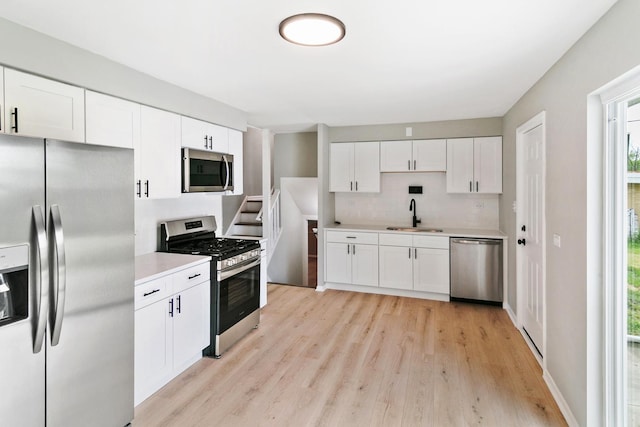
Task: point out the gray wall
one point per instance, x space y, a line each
427 130
295 155
252 146
573 207
37 53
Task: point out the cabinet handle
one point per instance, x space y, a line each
146 188
206 138
211 143
15 120
476 186
356 185
171 307
415 253
179 305
414 165
139 192
470 187
351 184
194 276
409 253
351 237
348 249
354 249
408 164
146 294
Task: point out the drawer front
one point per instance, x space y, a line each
355 237
436 242
396 239
153 291
191 276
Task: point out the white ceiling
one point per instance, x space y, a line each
401 61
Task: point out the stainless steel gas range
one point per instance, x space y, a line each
235 277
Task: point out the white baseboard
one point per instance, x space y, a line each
511 314
557 395
320 288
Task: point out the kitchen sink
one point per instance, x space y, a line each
416 229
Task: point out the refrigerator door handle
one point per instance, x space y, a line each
58 280
42 281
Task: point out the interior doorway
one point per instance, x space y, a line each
312 253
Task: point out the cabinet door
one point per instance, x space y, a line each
460 165
364 265
236 149
112 121
218 138
396 156
153 349
341 167
194 133
430 155
159 153
488 164
191 316
367 167
338 262
396 267
45 108
431 270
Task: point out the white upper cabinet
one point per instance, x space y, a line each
474 165
427 155
204 136
157 158
112 121
354 167
35 106
236 150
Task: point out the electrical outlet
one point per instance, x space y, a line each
408 131
556 240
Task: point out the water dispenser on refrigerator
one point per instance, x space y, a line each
14 284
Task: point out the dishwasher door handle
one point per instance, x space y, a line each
476 241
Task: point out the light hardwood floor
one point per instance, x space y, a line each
350 359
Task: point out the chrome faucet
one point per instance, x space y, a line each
412 207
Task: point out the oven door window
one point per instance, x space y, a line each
239 297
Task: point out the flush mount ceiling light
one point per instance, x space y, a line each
312 29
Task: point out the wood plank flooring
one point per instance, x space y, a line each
350 359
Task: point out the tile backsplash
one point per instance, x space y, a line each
435 207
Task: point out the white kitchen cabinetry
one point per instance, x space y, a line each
474 165
39 107
204 136
427 155
236 149
157 157
354 167
419 263
112 121
351 258
171 326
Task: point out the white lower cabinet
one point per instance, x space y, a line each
351 258
171 327
419 263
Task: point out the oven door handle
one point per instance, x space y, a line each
222 275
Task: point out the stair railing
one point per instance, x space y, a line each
275 222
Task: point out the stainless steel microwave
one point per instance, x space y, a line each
206 171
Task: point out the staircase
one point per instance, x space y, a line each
248 220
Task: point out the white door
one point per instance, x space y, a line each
366 169
431 270
531 229
396 267
430 155
189 319
395 156
338 262
364 265
460 165
341 167
112 121
487 164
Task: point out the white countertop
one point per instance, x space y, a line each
157 264
448 232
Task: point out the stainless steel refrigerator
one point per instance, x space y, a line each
67 250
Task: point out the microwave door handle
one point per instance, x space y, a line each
226 176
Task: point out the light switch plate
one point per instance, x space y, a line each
556 240
408 131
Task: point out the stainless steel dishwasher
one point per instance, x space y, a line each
476 270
